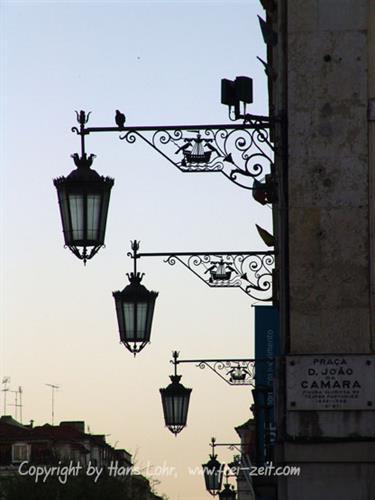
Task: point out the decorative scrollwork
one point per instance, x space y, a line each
130 137
171 260
235 372
242 153
232 371
250 272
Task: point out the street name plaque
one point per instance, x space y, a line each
330 382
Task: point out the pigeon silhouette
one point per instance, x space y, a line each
120 119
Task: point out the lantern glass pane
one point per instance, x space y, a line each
176 409
150 314
129 318
120 317
64 209
213 480
104 213
212 483
141 318
76 214
169 414
93 214
182 408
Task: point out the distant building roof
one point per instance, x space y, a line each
9 426
8 419
67 431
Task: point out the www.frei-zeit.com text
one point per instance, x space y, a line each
42 473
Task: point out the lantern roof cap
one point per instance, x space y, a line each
175 387
83 172
213 463
135 290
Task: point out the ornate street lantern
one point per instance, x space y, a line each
84 198
213 472
135 309
175 400
227 493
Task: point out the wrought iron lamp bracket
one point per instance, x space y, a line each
249 271
237 372
244 462
231 446
243 152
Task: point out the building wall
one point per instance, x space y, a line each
328 187
325 64
328 176
371 135
333 482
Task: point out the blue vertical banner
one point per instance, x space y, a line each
267 348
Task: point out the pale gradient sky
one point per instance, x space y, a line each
160 62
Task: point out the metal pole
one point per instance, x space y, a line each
53 387
5 382
20 391
53 406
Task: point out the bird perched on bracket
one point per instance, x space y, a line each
120 119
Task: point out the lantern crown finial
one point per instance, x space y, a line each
83 161
135 245
82 117
135 278
212 444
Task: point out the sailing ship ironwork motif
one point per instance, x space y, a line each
197 154
220 271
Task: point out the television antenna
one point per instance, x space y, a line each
53 389
5 389
20 391
18 403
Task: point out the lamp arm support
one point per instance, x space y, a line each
252 122
242 152
251 271
232 360
212 252
245 461
232 446
235 371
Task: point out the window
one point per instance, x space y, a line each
20 452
